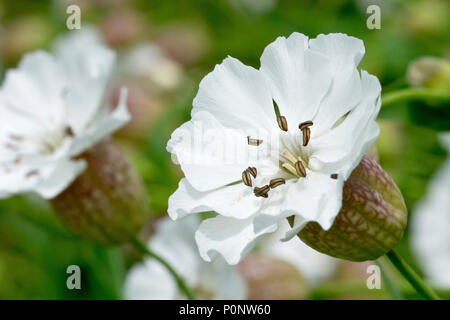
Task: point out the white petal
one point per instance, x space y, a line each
87 65
150 281
430 225
318 198
210 155
237 96
231 238
342 148
236 201
298 77
344 53
103 126
313 266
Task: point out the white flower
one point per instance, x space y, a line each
52 109
149 62
309 80
312 265
174 241
430 226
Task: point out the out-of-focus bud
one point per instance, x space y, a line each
371 221
429 72
272 279
107 203
122 27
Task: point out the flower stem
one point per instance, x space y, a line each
413 93
411 276
180 282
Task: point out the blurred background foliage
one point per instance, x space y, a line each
35 249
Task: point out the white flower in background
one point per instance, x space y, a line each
52 109
430 226
149 62
174 241
235 135
312 265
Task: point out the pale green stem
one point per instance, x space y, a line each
413 94
180 282
412 277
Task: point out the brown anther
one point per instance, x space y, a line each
31 173
300 168
246 178
261 192
17 160
282 123
252 171
306 136
254 142
334 176
68 131
305 124
276 182
15 137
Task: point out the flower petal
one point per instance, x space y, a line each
235 201
210 154
342 148
237 96
229 237
298 77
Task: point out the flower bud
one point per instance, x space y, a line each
371 221
272 279
107 203
429 72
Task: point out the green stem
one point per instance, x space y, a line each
411 276
180 282
413 93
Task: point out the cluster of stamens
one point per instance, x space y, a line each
295 166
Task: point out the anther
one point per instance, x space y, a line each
282 123
305 124
246 178
300 168
276 182
306 135
31 173
261 192
17 160
68 131
334 176
253 142
252 171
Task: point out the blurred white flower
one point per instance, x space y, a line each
312 265
257 6
430 226
174 241
52 109
326 122
149 62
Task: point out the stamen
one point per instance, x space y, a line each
17 160
276 182
334 176
289 156
253 142
305 124
300 168
246 178
15 137
306 136
252 171
261 192
31 173
290 168
68 131
282 123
